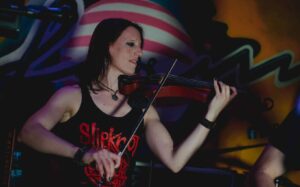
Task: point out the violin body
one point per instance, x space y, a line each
175 89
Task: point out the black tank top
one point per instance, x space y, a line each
92 127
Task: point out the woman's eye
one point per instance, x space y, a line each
130 44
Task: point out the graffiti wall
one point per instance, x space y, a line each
273 68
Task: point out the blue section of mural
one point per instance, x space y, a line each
10 44
171 5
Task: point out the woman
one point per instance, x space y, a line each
93 120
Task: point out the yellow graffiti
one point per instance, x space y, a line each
276 27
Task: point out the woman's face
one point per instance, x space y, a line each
126 50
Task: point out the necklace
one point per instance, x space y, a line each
114 92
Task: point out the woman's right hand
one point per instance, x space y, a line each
106 161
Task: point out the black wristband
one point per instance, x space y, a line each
79 155
208 124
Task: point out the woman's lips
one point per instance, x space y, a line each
133 61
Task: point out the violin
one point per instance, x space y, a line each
175 87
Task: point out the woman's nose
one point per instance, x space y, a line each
139 52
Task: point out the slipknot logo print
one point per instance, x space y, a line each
92 135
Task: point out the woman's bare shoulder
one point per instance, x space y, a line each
66 95
69 90
69 98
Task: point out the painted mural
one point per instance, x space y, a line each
253 45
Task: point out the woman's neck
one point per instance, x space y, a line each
111 79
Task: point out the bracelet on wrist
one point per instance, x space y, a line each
208 124
78 156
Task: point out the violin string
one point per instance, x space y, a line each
192 82
197 83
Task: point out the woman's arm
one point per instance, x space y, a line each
161 143
36 132
267 168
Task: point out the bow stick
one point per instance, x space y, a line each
148 106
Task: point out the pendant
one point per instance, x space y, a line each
114 97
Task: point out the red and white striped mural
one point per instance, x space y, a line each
165 37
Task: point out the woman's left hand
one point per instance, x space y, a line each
223 95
